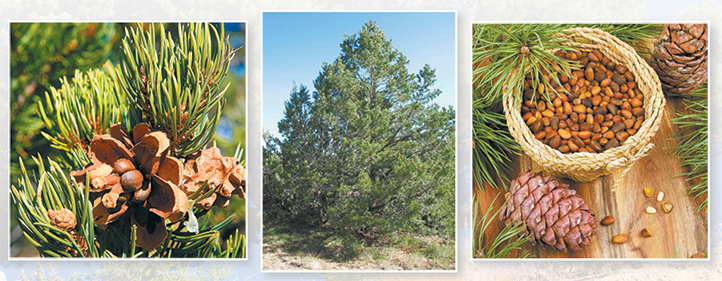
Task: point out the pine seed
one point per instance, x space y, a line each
648 191
607 220
646 233
651 210
619 239
667 207
660 196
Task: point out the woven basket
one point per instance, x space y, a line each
583 166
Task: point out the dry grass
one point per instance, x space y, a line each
297 247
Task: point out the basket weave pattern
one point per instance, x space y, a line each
583 166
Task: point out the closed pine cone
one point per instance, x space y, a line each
681 58
554 214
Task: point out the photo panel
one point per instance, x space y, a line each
128 140
359 126
590 140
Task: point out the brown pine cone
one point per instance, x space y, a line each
63 219
224 174
681 58
551 212
133 176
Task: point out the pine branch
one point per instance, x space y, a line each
174 84
503 54
39 56
181 91
692 143
206 243
493 146
55 192
501 246
87 105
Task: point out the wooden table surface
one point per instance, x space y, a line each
678 234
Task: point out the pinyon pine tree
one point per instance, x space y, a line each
368 151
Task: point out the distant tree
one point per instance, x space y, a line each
368 150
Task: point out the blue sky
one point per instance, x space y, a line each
295 45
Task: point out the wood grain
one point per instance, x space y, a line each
678 234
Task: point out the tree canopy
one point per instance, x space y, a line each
368 149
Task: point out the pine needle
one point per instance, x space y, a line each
504 53
493 146
177 89
501 246
54 192
692 143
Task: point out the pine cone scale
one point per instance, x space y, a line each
107 150
119 133
697 30
681 37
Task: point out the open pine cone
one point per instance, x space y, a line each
224 174
681 58
551 212
133 174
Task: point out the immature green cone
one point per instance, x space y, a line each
681 58
551 212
